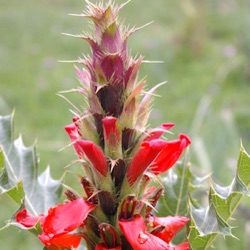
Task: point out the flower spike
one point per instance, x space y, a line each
119 154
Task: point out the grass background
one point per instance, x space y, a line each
205 46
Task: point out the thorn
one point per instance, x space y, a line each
141 27
113 163
68 91
78 110
73 112
124 4
149 61
69 61
78 15
75 36
67 146
68 34
91 4
151 91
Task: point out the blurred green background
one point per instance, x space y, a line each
205 46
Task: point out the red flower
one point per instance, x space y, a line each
143 159
28 220
94 154
135 231
87 148
167 227
61 242
73 135
136 234
110 128
112 137
157 154
61 221
169 154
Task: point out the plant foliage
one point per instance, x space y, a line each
19 177
208 222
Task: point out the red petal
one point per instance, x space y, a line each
72 131
157 132
110 129
144 158
95 155
66 217
73 135
135 232
68 241
28 220
183 246
170 154
172 226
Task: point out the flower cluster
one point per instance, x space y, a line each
121 157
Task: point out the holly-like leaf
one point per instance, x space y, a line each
207 223
19 177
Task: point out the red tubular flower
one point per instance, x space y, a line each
73 135
94 154
136 234
112 137
167 227
61 242
72 131
169 154
28 220
157 154
88 148
62 220
144 158
110 128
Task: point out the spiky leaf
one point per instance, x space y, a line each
19 173
208 222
